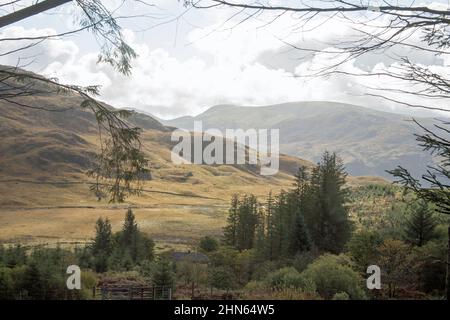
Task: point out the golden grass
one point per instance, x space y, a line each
178 225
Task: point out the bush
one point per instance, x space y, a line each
302 260
222 278
362 248
429 265
208 244
332 274
6 284
289 277
341 296
261 270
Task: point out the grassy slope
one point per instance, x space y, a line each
45 197
369 141
44 192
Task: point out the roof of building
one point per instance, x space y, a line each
190 256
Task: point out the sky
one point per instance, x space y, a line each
191 59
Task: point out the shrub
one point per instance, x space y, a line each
395 261
332 274
6 284
208 244
341 296
302 260
362 248
289 277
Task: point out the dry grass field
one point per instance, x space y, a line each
44 192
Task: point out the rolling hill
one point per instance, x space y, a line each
44 191
369 141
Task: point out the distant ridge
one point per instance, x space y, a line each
368 140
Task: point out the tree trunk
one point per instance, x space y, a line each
447 285
30 11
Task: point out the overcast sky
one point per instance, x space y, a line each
190 60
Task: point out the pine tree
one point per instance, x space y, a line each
280 225
299 240
103 237
261 238
102 246
301 181
247 222
270 226
420 226
164 275
329 224
129 229
230 231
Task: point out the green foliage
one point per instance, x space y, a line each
208 244
420 226
341 296
6 283
429 265
302 260
363 248
395 261
311 214
13 255
242 222
192 273
222 277
231 230
328 222
163 274
332 274
122 250
289 277
102 246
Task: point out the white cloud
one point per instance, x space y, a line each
226 67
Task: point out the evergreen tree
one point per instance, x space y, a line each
420 226
102 246
270 226
280 227
301 181
230 232
261 238
300 240
164 275
33 284
103 237
129 229
130 238
247 222
328 223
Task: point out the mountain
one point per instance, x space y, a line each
44 191
369 141
45 154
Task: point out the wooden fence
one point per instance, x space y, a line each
132 292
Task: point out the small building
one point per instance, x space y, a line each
197 257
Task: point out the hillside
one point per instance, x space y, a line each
44 191
369 141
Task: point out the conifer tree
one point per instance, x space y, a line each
328 222
102 246
247 222
103 237
420 226
299 240
230 232
129 229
